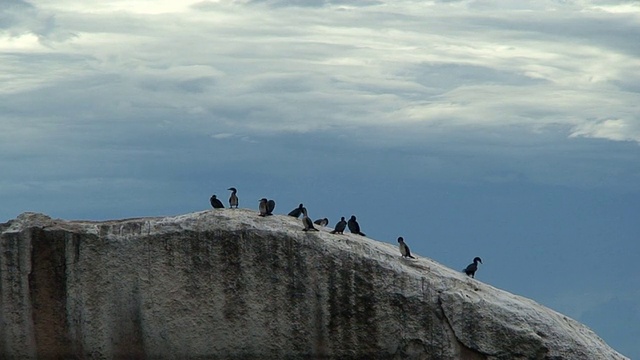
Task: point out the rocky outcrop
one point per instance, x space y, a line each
227 284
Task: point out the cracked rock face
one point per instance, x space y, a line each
227 284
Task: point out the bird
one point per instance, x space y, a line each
340 226
262 207
233 199
271 205
472 268
404 248
354 227
306 221
297 211
216 203
322 222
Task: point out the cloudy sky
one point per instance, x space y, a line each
503 129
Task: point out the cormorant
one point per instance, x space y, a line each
306 221
340 226
404 249
472 268
322 222
354 227
262 207
233 199
216 203
297 211
266 207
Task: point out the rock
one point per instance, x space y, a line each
229 284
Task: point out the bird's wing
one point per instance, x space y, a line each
470 268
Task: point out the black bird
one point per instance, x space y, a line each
262 207
297 211
216 203
354 227
340 226
233 199
472 268
271 205
306 221
322 222
404 249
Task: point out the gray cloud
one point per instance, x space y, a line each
21 18
307 62
407 74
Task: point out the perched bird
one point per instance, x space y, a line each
233 199
297 211
216 203
404 249
322 222
354 227
472 268
271 205
262 207
266 207
306 221
340 226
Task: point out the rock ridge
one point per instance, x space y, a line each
227 284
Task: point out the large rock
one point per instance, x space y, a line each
230 284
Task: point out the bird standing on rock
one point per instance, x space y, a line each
404 248
354 227
472 268
322 222
340 226
233 199
262 207
306 221
216 203
265 207
297 211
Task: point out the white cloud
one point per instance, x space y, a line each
222 136
613 129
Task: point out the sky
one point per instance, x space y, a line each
500 129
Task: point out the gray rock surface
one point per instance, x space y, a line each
228 284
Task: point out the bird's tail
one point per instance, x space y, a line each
413 257
361 233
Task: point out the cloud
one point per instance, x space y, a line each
614 129
20 21
410 76
223 136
